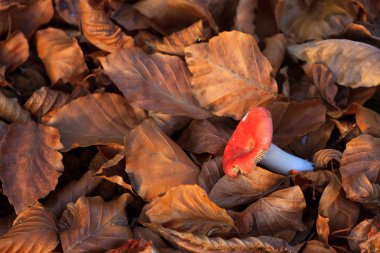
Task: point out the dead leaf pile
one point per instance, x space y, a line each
115 114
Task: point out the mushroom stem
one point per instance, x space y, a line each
282 162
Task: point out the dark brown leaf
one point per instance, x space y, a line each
317 246
235 81
211 172
324 157
68 10
29 163
245 16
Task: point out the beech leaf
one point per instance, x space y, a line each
368 121
34 230
30 163
11 110
210 174
245 16
14 51
230 75
155 163
92 225
157 82
186 208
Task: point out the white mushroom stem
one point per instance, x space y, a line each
279 161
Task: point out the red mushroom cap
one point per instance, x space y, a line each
249 143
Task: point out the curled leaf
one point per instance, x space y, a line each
150 154
14 51
93 225
11 110
68 10
61 55
317 246
30 163
211 172
362 232
245 16
35 229
345 59
99 29
368 121
325 156
186 208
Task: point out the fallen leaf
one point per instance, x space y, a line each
68 10
362 232
194 243
201 136
231 192
368 121
155 163
317 246
168 123
344 58
30 163
92 225
360 168
323 229
245 16
235 81
131 19
175 43
186 208
372 244
319 20
57 200
210 174
61 55
294 119
324 157
134 246
157 82
275 49
14 51
6 223
149 235
95 119
99 29
34 230
11 110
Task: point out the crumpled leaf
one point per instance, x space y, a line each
372 244
30 163
193 243
68 10
92 225
360 168
155 163
345 59
173 15
176 42
210 174
201 136
324 157
99 29
317 246
230 192
14 51
275 214
294 119
368 121
95 119
321 19
275 49
157 82
186 208
245 16
235 81
61 55
11 110
56 201
34 230
362 232
134 246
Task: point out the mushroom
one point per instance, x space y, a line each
251 144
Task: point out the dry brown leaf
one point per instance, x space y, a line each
99 29
14 51
294 119
61 55
201 136
155 163
56 201
34 230
345 59
26 17
245 16
131 19
173 15
236 80
176 42
157 82
317 246
211 172
323 229
321 19
149 235
231 192
6 223
324 157
279 212
3 129
186 208
134 246
360 168
368 121
95 119
68 10
169 124
11 110
29 163
362 232
45 100
92 225
193 243
372 244
275 48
